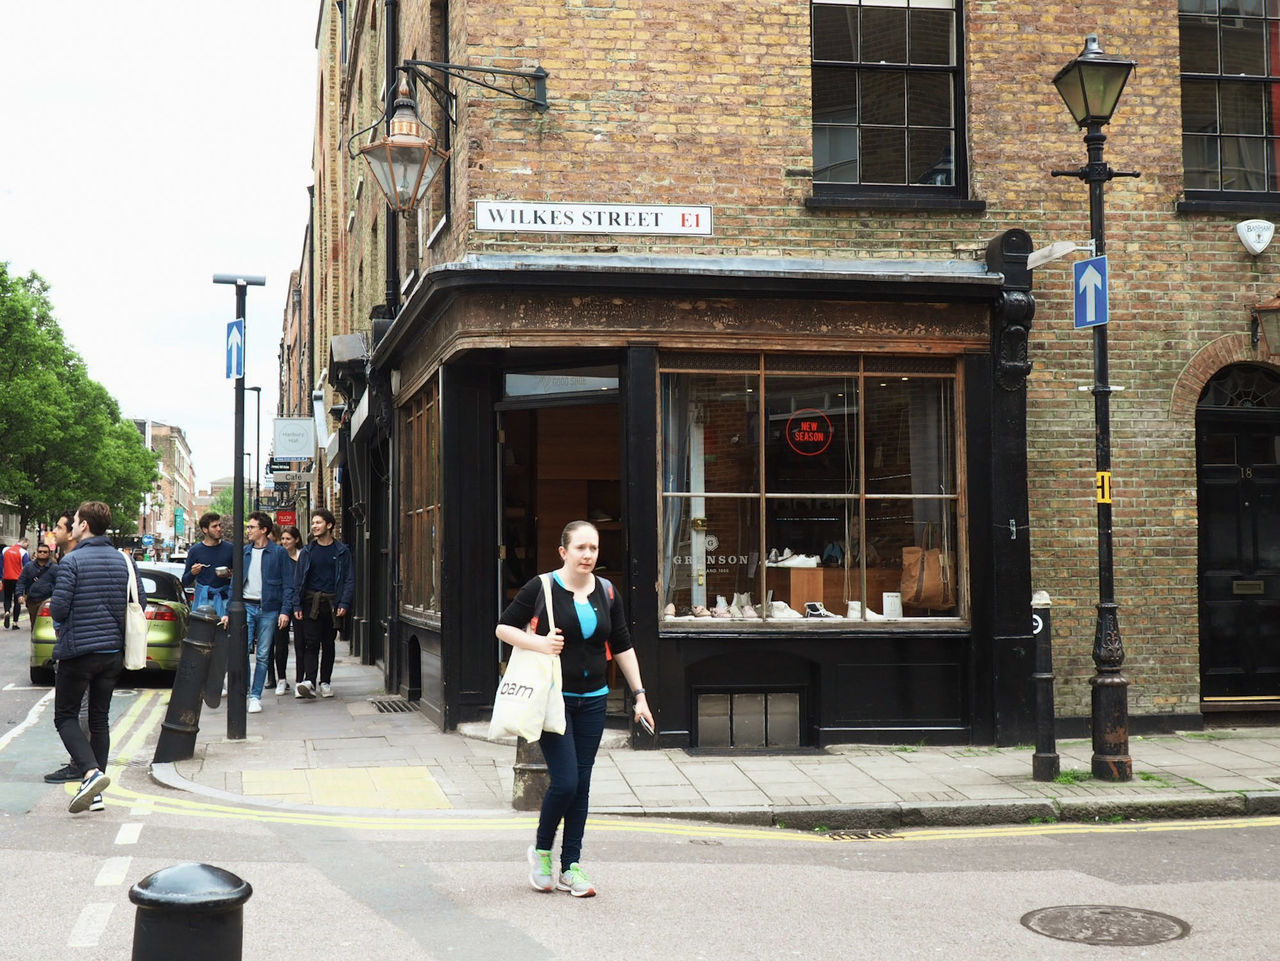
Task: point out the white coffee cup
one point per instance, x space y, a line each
892 604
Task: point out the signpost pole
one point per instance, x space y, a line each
237 624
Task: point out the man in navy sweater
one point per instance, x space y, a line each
209 566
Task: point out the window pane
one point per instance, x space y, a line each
884 35
1244 47
884 156
835 33
910 435
1273 163
1200 163
1198 39
1242 107
930 157
929 100
884 96
1199 106
711 550
835 154
1243 163
711 424
835 95
811 426
1198 6
926 581
809 560
1242 8
932 37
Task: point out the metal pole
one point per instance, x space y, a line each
1110 688
1045 763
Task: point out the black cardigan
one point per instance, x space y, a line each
582 662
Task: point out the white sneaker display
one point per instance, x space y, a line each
780 611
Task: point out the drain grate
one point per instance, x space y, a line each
393 705
863 836
1105 924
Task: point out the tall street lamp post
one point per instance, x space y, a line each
257 448
237 623
1091 85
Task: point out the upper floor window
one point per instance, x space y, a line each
887 96
1230 96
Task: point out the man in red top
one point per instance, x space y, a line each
15 558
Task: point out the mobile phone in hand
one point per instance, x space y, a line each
644 723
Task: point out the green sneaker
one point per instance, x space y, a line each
540 869
576 882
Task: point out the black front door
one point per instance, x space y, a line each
1238 460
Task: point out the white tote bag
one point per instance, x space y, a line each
135 623
530 696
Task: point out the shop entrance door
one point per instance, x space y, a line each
558 463
1238 463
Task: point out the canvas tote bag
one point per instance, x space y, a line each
135 623
530 696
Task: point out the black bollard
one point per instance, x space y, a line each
190 686
531 776
1044 763
194 911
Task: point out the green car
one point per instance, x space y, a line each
167 613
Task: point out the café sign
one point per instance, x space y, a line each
608 219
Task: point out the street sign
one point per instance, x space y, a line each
1092 303
286 518
235 349
148 540
294 476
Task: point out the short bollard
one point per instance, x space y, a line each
1044 763
190 685
191 911
531 778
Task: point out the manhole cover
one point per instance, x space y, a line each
1105 924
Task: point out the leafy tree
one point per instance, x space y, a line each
65 440
225 501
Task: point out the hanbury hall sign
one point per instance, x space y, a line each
514 215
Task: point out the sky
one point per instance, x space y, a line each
147 147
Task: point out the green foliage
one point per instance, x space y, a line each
225 501
65 440
1072 776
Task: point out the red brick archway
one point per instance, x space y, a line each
1208 360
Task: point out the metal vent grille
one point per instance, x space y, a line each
393 705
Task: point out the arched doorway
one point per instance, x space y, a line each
1238 482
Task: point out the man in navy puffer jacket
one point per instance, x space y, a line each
88 608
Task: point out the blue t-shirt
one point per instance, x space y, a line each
322 576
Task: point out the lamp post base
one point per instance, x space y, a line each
1110 701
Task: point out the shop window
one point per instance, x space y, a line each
420 500
797 498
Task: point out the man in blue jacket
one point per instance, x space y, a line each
323 588
88 608
265 565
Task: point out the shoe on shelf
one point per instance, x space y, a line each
749 613
306 690
780 611
255 706
700 611
540 876
669 612
816 609
325 689
722 607
773 557
64 775
282 687
97 804
95 783
576 882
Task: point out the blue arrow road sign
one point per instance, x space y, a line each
235 349
1090 291
148 540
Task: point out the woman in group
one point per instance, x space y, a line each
587 613
291 541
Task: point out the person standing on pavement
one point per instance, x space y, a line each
31 573
209 566
88 608
39 592
266 565
15 558
588 614
290 538
324 586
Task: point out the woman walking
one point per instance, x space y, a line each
587 612
291 541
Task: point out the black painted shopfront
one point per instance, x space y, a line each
809 480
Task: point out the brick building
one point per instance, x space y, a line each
734 295
172 503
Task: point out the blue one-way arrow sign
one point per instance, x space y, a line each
1090 290
235 349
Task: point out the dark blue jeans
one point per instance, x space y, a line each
570 758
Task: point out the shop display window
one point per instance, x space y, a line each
420 497
816 498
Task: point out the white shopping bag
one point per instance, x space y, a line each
530 696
